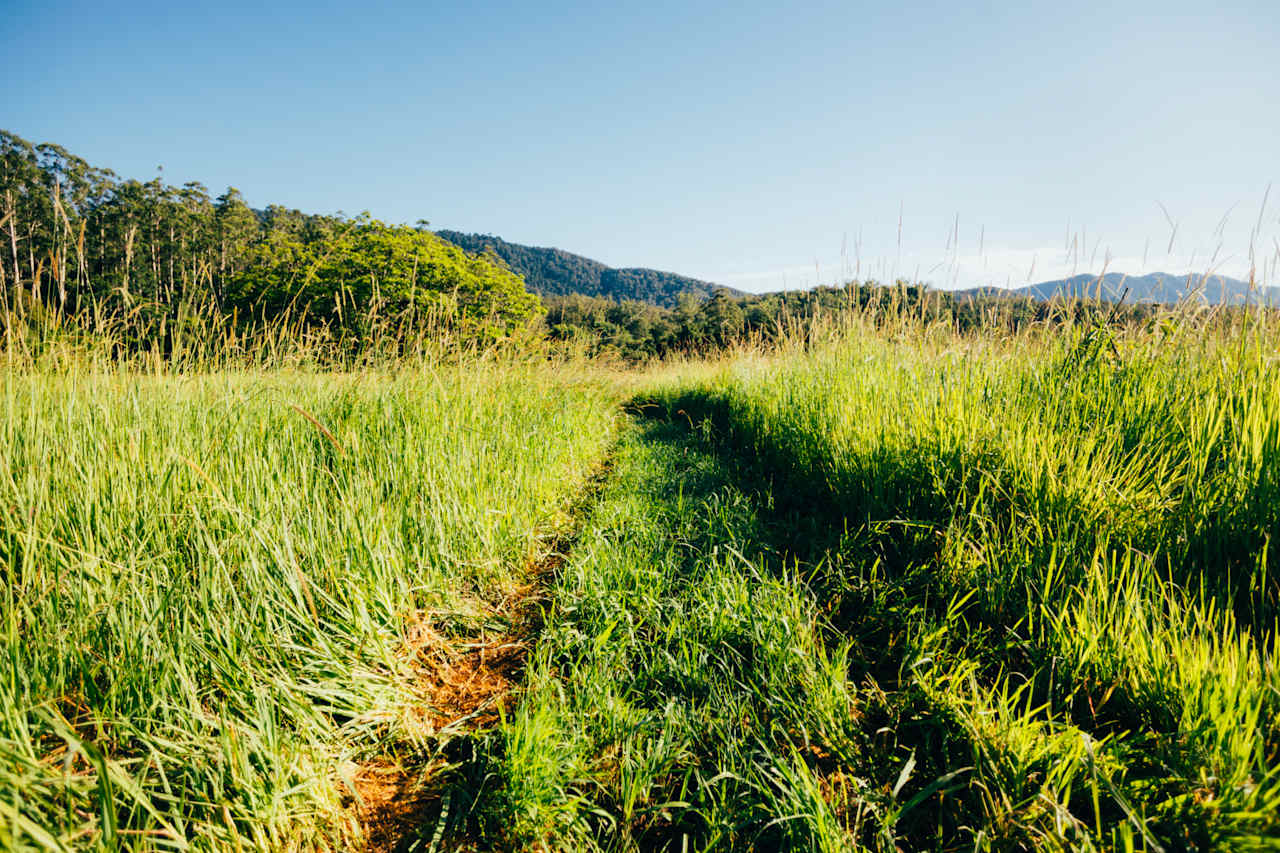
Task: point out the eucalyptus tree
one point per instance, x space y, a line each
79 237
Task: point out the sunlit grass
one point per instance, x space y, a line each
879 586
211 579
1080 543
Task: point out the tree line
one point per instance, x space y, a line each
638 330
80 239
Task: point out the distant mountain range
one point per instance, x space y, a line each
555 272
1161 288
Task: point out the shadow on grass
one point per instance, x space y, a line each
875 585
871 541
744 703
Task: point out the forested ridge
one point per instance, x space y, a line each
555 272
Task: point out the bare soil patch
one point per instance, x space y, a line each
465 686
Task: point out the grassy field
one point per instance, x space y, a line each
1045 567
218 585
885 589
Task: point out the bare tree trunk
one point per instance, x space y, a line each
82 263
172 283
219 288
31 260
129 237
4 288
59 253
13 236
156 281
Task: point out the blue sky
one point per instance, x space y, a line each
754 144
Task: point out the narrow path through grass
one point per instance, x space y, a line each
801 620
466 686
679 694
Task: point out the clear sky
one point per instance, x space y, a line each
750 143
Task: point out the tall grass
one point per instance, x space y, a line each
895 588
873 586
216 575
1081 537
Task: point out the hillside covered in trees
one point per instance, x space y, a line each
78 238
555 272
